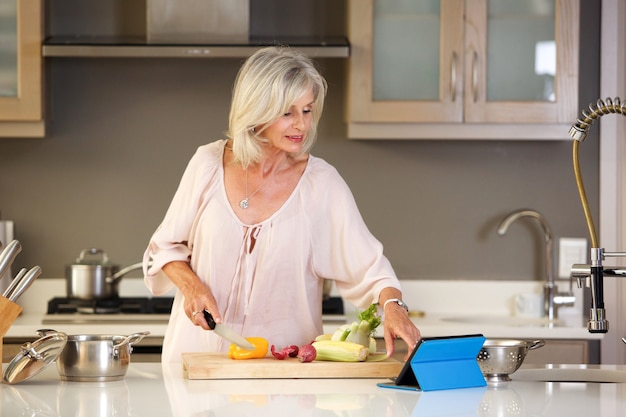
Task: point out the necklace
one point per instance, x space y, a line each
244 203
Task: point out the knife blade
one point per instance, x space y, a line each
227 333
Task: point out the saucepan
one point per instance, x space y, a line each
93 276
83 358
98 358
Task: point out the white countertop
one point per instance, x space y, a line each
451 308
431 325
153 390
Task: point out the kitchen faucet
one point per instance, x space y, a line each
551 297
593 274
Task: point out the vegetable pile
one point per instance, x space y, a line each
360 331
350 343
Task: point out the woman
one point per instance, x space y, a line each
257 224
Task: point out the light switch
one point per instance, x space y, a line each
571 251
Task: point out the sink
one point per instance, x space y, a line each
505 321
572 373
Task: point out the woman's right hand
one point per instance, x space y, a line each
197 296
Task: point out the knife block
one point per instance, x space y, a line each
8 313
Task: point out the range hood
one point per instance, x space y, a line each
189 29
139 47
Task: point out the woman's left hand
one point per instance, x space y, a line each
397 323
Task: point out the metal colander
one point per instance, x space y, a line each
499 358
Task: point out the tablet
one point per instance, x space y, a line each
445 362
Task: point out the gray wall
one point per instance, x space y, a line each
120 132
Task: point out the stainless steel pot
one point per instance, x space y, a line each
88 358
93 276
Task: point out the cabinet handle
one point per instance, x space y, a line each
453 66
475 77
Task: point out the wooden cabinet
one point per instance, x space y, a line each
463 69
555 351
21 85
565 351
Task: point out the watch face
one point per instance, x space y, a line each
403 305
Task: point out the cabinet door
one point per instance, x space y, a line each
20 63
406 61
463 69
521 61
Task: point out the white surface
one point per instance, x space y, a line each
571 251
149 390
611 222
451 308
571 373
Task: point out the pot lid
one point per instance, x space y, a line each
35 357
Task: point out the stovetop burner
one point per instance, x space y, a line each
121 305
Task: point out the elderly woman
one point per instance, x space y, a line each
258 223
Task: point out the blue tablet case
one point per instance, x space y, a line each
439 363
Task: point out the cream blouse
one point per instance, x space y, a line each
274 290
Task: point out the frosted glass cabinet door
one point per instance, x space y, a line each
20 60
463 69
8 48
521 66
406 60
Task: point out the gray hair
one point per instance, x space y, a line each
267 85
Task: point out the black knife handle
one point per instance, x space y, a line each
209 319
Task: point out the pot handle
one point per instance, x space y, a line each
131 339
535 344
119 274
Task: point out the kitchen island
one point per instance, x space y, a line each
153 389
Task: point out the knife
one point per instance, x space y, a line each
227 333
8 255
11 288
25 282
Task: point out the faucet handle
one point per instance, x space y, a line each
582 274
582 282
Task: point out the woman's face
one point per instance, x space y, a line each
289 131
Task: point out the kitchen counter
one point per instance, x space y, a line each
430 325
156 390
450 308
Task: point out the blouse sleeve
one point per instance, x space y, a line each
344 248
170 242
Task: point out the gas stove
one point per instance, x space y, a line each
121 309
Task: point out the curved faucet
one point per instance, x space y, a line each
550 295
594 273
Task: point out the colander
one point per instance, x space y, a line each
499 358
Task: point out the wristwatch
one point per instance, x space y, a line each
397 301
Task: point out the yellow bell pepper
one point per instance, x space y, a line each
259 351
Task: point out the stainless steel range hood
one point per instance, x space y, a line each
125 47
197 21
189 29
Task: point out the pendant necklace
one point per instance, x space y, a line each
244 203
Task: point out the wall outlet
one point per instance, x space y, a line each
571 251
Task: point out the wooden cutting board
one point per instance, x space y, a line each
219 366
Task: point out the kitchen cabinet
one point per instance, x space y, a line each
463 69
565 352
21 87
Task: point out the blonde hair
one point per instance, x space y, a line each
267 85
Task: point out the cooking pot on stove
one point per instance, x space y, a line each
93 276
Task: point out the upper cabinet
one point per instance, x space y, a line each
21 110
463 69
